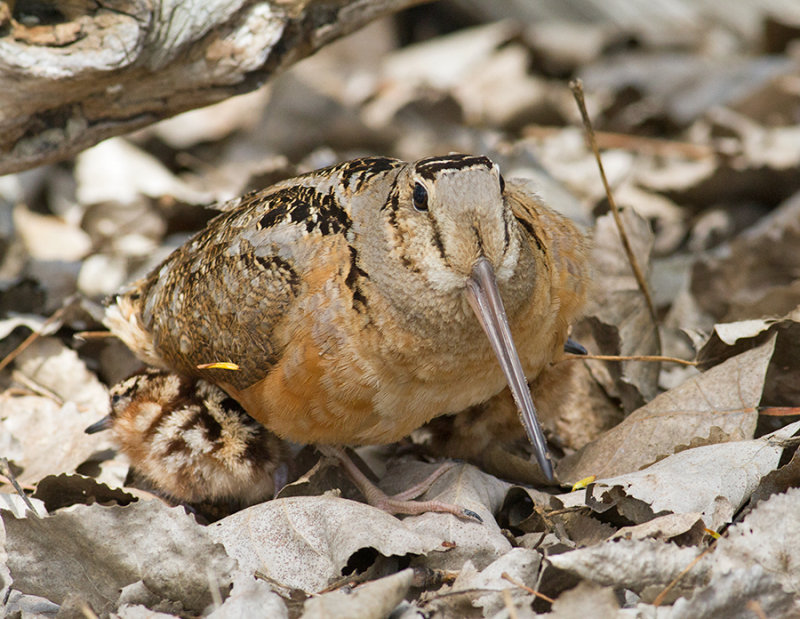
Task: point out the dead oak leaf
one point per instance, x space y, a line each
96 551
305 542
618 314
714 481
724 397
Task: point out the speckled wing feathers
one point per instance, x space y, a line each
244 270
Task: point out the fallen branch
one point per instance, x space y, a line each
102 68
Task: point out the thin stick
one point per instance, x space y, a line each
33 336
780 411
9 474
660 597
516 583
754 607
87 611
577 92
32 386
83 336
509 603
661 359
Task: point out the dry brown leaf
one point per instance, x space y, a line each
50 364
733 594
585 600
251 598
618 313
531 511
573 405
17 506
46 452
440 64
713 480
686 529
50 238
96 551
521 564
18 604
728 339
369 601
305 542
777 481
138 611
324 476
633 564
755 275
768 537
117 171
462 485
724 397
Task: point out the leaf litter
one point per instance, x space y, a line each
699 139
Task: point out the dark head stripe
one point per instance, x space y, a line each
430 167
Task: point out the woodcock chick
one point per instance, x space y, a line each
192 442
350 301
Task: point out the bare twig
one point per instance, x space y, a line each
509 603
653 358
661 596
577 91
34 336
84 336
780 411
516 583
33 387
8 473
755 607
87 611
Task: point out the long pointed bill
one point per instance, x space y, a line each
484 297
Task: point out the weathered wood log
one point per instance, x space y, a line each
75 72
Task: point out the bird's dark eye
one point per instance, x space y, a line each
115 399
420 197
502 184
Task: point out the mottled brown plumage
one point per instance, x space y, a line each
192 441
348 298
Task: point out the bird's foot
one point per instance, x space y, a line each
401 503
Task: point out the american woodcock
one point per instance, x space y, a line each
191 441
351 300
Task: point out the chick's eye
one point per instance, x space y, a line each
115 399
502 184
420 197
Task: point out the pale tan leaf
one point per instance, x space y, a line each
521 564
42 452
632 564
585 600
735 594
250 598
304 542
96 551
725 397
769 537
468 487
52 365
713 480
685 529
372 600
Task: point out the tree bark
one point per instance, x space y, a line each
87 70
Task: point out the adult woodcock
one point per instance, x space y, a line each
359 301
